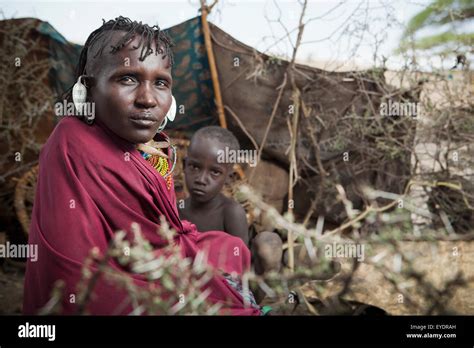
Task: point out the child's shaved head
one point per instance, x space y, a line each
205 173
219 134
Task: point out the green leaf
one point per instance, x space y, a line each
436 40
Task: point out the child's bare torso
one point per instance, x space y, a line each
212 219
221 214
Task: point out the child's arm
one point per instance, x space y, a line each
235 221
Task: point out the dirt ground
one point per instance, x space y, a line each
11 287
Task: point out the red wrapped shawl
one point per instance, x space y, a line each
92 183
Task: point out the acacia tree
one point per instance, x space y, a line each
451 17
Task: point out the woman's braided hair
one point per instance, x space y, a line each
149 36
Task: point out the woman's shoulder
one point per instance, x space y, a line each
68 128
71 136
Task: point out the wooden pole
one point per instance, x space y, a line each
293 177
212 63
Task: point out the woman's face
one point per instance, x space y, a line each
131 96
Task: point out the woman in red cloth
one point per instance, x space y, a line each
93 180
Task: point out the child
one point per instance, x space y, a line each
209 209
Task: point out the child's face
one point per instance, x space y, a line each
132 97
205 177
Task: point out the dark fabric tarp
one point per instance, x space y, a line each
249 81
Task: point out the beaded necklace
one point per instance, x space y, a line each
161 165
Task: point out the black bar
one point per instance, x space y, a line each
240 330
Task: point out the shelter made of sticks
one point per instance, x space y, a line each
341 137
